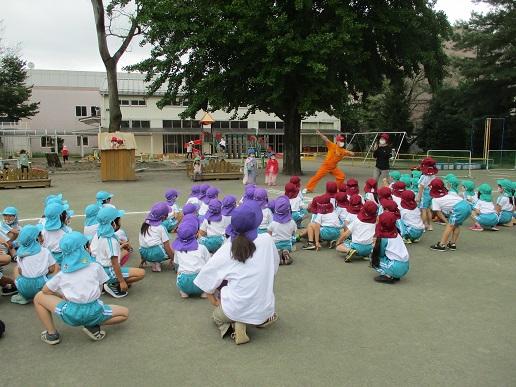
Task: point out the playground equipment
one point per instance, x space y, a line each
362 143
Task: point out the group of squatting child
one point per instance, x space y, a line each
65 272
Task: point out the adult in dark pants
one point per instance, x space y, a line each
382 154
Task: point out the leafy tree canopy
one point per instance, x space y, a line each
291 58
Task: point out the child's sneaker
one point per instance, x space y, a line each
184 295
240 333
438 247
476 227
349 255
494 229
384 279
19 299
9 290
94 333
407 241
309 246
156 267
452 246
332 244
51 339
285 258
113 289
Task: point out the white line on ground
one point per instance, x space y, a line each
82 215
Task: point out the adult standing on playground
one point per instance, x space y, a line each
189 150
336 152
382 154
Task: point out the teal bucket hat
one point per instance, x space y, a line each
12 211
485 191
506 185
469 187
53 213
395 175
453 182
90 213
103 195
105 217
75 256
28 240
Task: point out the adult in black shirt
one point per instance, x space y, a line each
382 154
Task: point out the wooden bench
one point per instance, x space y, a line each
216 170
34 178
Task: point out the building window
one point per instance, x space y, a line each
270 125
138 102
167 124
176 124
123 102
81 111
47 141
85 141
124 124
140 124
95 111
317 125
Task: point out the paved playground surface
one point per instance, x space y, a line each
449 322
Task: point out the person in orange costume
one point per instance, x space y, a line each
336 152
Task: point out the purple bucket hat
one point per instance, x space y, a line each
271 205
196 190
171 196
228 205
282 211
187 235
214 211
157 213
202 191
260 197
245 221
211 193
190 208
249 192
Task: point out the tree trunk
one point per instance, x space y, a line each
115 115
291 143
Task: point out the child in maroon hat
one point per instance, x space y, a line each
297 205
354 207
371 190
361 231
411 225
342 206
352 187
390 256
429 170
397 189
325 226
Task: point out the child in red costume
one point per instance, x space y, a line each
271 170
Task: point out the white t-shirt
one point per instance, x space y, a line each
342 213
446 203
192 261
174 209
249 294
81 286
214 228
350 218
36 265
102 249
370 196
51 239
362 232
412 218
267 218
121 235
485 207
504 202
396 200
90 230
226 220
396 249
194 201
203 209
155 236
425 180
328 220
296 204
282 231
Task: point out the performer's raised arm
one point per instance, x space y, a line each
325 139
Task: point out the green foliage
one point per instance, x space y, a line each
290 58
14 94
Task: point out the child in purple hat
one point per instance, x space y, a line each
174 212
248 193
282 229
213 229
228 205
194 196
154 239
260 197
249 262
190 257
211 193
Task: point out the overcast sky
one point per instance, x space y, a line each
60 34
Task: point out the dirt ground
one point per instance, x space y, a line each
448 322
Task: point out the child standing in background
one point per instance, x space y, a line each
250 167
271 170
23 160
429 171
190 256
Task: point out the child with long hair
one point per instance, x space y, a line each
450 204
484 212
34 263
505 202
190 257
154 240
390 256
282 229
74 294
174 212
361 231
213 228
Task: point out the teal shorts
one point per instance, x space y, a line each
299 215
487 220
153 254
329 233
29 287
185 283
409 232
361 249
58 256
212 243
426 199
111 273
284 245
392 268
262 230
504 217
460 212
88 315
170 224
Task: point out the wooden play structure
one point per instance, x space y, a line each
33 178
216 170
117 156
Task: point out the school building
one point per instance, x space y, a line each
74 107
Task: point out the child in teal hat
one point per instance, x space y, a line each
452 183
394 176
484 212
55 227
34 263
9 230
505 202
91 223
468 192
105 247
74 294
